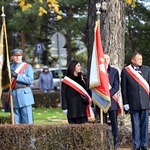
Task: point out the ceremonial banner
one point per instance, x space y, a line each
5 74
5 79
99 82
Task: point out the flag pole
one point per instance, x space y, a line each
98 74
100 7
6 44
98 12
101 116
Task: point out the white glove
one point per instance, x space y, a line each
109 86
65 111
126 107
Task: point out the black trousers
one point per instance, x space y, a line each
79 120
113 115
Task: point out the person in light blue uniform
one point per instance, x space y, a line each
21 92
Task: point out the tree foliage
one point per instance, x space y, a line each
26 21
43 6
24 24
73 23
40 28
137 32
27 28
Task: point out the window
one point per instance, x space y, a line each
37 74
58 74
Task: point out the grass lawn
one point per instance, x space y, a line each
45 116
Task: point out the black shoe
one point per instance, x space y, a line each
136 148
144 148
115 148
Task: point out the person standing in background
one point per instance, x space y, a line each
22 78
46 82
135 82
113 76
75 98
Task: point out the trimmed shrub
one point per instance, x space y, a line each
50 99
5 120
56 137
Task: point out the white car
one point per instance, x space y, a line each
58 74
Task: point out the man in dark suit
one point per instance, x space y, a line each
135 82
113 75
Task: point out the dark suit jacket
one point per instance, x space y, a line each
133 93
113 75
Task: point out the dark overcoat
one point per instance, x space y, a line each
133 93
72 100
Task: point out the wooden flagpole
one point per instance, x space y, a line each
11 106
6 44
101 116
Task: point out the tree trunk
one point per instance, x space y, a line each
112 31
69 47
23 42
68 36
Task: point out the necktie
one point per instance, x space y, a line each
138 70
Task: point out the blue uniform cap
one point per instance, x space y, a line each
16 52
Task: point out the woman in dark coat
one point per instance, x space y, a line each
73 104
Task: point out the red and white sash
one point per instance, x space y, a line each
20 67
115 97
82 91
120 109
19 70
136 76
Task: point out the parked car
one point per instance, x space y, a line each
57 76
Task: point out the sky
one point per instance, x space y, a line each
145 2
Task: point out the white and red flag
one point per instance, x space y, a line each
99 82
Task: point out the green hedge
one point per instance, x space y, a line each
50 99
5 120
56 137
